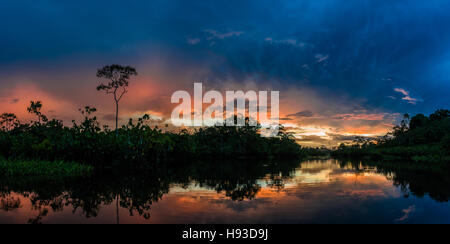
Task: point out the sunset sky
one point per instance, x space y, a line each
343 67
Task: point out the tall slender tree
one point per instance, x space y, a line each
117 83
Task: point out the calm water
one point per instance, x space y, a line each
317 191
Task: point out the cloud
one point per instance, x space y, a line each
411 100
329 139
286 119
23 93
14 100
214 35
402 91
305 113
289 42
10 100
110 117
407 212
321 58
349 138
313 139
407 96
369 117
193 41
357 64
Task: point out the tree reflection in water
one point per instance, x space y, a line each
413 178
9 203
138 191
237 181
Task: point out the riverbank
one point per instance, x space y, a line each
422 139
424 154
43 169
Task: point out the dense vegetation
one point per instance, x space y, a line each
49 170
135 144
420 139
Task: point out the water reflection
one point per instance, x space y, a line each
316 191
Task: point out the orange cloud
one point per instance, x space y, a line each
17 99
322 113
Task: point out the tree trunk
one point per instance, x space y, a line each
117 209
117 119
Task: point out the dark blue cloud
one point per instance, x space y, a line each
362 48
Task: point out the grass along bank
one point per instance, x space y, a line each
45 169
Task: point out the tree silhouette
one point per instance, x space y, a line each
440 115
35 108
118 81
418 121
8 121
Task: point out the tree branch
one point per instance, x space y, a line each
123 93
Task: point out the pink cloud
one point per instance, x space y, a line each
407 96
402 91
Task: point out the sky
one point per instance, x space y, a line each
343 68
